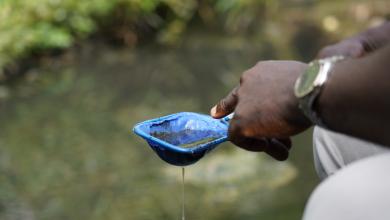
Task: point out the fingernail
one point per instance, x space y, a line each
213 111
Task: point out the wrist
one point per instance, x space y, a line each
331 103
310 84
297 116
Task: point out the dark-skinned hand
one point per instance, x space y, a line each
360 44
351 47
266 110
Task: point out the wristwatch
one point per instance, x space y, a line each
308 86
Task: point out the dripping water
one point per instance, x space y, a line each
183 214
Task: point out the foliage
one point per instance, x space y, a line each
65 150
36 25
33 26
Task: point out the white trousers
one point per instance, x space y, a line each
356 179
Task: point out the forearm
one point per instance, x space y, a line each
375 38
356 101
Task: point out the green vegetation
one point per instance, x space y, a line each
65 147
34 26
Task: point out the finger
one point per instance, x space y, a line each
332 50
356 52
272 147
251 144
326 52
226 105
351 49
277 150
236 136
286 142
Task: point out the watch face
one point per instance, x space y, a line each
305 82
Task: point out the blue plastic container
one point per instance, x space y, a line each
183 138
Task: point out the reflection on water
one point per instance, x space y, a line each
186 130
66 151
176 138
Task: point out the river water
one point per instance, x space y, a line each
67 152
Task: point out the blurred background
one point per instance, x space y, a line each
75 76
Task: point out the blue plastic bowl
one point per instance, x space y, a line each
183 138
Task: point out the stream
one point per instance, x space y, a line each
67 150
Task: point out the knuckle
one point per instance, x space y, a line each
222 104
322 53
242 79
240 129
260 63
246 76
234 94
221 107
327 48
328 51
235 132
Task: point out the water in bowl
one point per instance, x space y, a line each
187 138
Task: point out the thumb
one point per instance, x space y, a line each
226 105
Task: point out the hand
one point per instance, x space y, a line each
266 109
352 47
361 44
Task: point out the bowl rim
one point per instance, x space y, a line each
200 148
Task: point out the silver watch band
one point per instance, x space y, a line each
306 103
309 111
